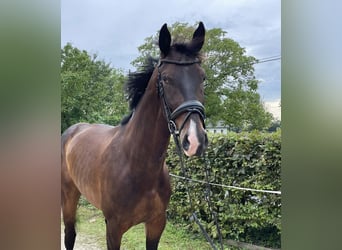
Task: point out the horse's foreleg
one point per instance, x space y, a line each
154 230
69 205
114 234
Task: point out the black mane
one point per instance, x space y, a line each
136 85
137 82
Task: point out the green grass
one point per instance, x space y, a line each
91 230
174 238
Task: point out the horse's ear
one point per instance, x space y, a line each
198 38
164 40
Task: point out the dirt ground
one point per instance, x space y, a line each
82 243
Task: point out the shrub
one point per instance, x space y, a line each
250 160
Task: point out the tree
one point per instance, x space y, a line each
231 87
92 91
275 125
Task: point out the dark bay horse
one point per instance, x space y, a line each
121 170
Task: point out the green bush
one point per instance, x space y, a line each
250 160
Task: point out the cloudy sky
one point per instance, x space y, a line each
114 29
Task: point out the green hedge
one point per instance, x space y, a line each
250 160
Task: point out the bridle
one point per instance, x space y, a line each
189 107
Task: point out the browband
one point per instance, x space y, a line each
178 62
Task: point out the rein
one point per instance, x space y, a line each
189 107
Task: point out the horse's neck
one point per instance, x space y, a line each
148 132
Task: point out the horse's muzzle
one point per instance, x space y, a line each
194 139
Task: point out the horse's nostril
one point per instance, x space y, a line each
186 143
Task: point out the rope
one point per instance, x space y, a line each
226 186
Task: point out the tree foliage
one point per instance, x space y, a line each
92 91
231 87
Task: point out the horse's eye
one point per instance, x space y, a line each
165 79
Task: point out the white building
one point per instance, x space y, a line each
218 129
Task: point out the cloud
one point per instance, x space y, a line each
114 29
274 108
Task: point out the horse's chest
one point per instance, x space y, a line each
149 206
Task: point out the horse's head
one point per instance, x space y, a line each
180 85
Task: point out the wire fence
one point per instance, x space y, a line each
226 186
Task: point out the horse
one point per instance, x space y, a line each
121 169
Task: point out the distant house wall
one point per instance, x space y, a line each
218 129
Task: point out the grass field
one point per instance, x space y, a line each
91 234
